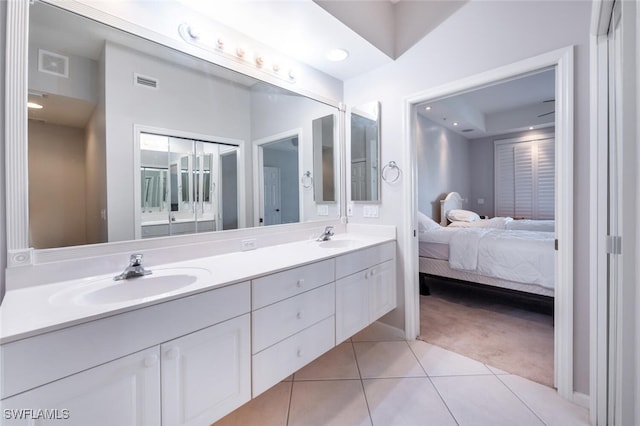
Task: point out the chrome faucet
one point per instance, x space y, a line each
327 234
135 269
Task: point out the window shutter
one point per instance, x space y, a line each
504 181
546 179
525 179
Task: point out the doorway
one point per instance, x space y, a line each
562 60
277 171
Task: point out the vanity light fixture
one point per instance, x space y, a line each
337 55
34 105
530 127
237 53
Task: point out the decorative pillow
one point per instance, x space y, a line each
425 223
457 215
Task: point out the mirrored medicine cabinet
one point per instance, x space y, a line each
364 164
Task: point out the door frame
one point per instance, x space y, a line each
562 60
258 179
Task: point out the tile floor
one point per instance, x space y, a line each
377 378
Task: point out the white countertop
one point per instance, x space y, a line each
38 309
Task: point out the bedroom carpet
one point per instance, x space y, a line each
503 331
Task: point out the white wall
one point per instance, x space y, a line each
186 100
482 36
444 165
3 219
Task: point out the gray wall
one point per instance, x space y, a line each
3 218
478 37
443 165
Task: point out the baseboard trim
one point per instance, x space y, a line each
582 399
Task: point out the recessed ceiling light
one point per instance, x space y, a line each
34 105
337 55
530 127
455 123
428 108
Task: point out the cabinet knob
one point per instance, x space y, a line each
150 360
172 353
299 352
373 272
299 315
300 283
366 275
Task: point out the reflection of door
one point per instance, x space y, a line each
272 201
359 180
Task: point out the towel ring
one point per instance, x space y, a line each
391 172
306 180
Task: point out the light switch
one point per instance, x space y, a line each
480 200
323 210
371 211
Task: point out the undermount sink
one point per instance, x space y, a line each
337 244
106 291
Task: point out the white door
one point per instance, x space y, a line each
122 392
206 374
272 196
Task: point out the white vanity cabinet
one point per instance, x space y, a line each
195 370
365 288
206 374
123 392
292 321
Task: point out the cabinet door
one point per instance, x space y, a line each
382 289
352 305
206 374
122 392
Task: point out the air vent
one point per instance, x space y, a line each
467 130
53 63
145 81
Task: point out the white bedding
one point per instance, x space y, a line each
509 224
522 256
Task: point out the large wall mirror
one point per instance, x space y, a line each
133 139
365 152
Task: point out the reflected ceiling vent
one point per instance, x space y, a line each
145 81
53 63
467 130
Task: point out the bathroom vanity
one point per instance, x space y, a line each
189 356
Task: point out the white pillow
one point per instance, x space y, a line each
457 215
425 223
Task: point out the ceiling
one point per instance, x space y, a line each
510 106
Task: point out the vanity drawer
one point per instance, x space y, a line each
278 321
360 260
279 361
272 288
42 359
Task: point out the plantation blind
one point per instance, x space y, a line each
525 178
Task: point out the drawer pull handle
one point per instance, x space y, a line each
299 353
366 275
300 283
373 272
299 315
172 353
150 360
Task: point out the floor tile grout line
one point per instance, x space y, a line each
521 400
364 393
418 360
290 399
443 401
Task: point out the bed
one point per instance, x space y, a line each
451 208
515 259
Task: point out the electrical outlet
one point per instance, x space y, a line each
249 244
480 201
322 210
371 211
